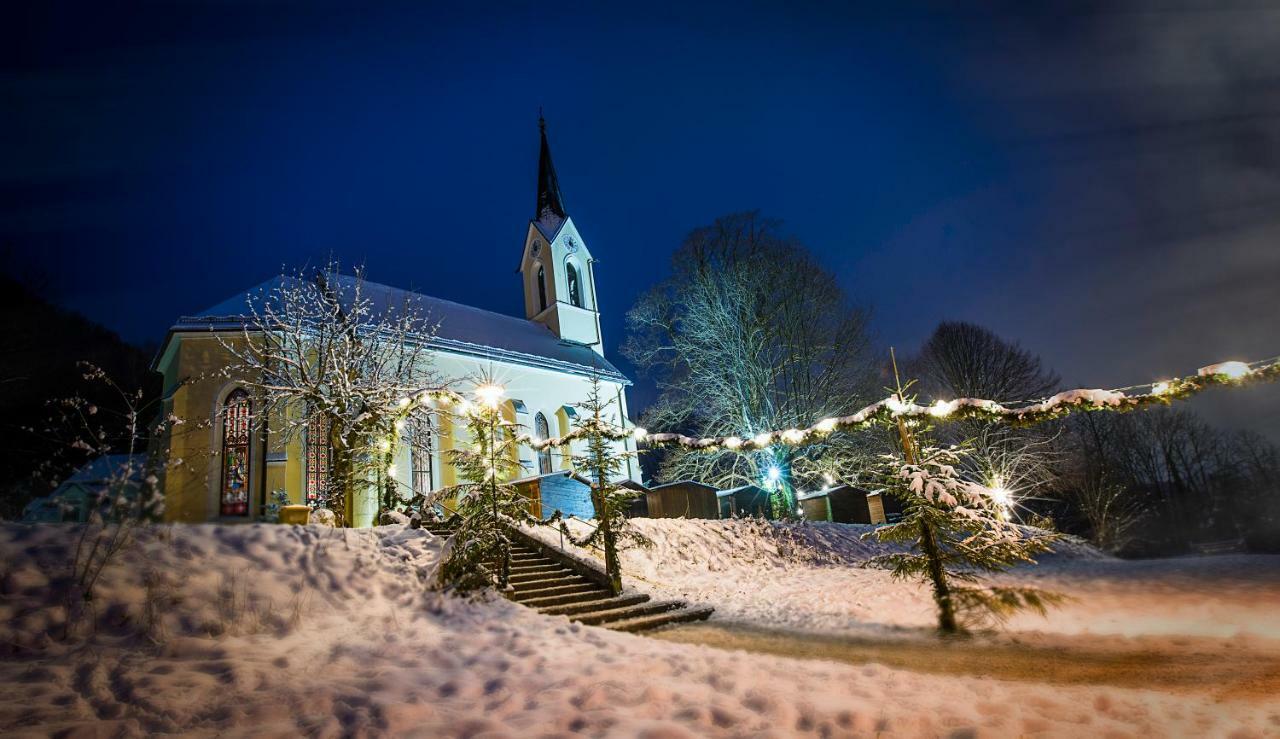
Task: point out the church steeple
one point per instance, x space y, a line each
550 201
557 268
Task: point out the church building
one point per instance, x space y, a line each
233 468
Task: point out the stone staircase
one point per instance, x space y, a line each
550 582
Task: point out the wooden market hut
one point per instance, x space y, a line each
844 504
564 491
747 500
684 499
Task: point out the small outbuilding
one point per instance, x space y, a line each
564 491
844 504
684 499
747 500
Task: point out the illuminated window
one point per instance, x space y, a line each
422 446
542 289
543 432
319 458
575 291
235 454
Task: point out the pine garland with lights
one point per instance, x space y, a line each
1026 413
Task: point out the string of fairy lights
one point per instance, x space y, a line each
890 410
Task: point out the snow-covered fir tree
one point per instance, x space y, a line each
604 463
956 531
488 504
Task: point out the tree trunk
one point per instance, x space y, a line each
929 546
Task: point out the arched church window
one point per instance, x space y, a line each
542 288
236 410
542 431
319 458
422 434
575 290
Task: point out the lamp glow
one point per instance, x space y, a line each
639 433
732 442
763 440
826 425
1232 370
793 436
490 394
1160 388
774 474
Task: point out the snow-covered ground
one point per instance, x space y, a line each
810 576
277 630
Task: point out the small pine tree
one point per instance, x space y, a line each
480 553
957 532
603 462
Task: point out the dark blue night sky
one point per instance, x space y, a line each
1099 182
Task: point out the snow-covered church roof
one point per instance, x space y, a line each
460 329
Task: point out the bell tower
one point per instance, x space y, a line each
557 269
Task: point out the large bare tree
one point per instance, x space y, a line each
327 352
750 334
964 360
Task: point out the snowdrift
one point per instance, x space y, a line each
276 630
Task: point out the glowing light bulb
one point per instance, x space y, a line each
384 445
399 425
1160 388
639 433
490 394
829 478
826 425
732 442
763 440
942 408
793 436
391 472
774 474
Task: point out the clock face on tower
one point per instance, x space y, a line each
537 247
570 244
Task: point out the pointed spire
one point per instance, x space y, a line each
550 202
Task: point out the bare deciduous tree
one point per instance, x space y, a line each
749 334
963 360
324 346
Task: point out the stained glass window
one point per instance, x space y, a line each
575 291
319 459
236 412
542 431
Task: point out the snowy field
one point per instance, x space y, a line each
810 576
274 630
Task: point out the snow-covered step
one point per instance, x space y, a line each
544 601
602 604
644 623
536 569
549 582
542 573
603 618
581 587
